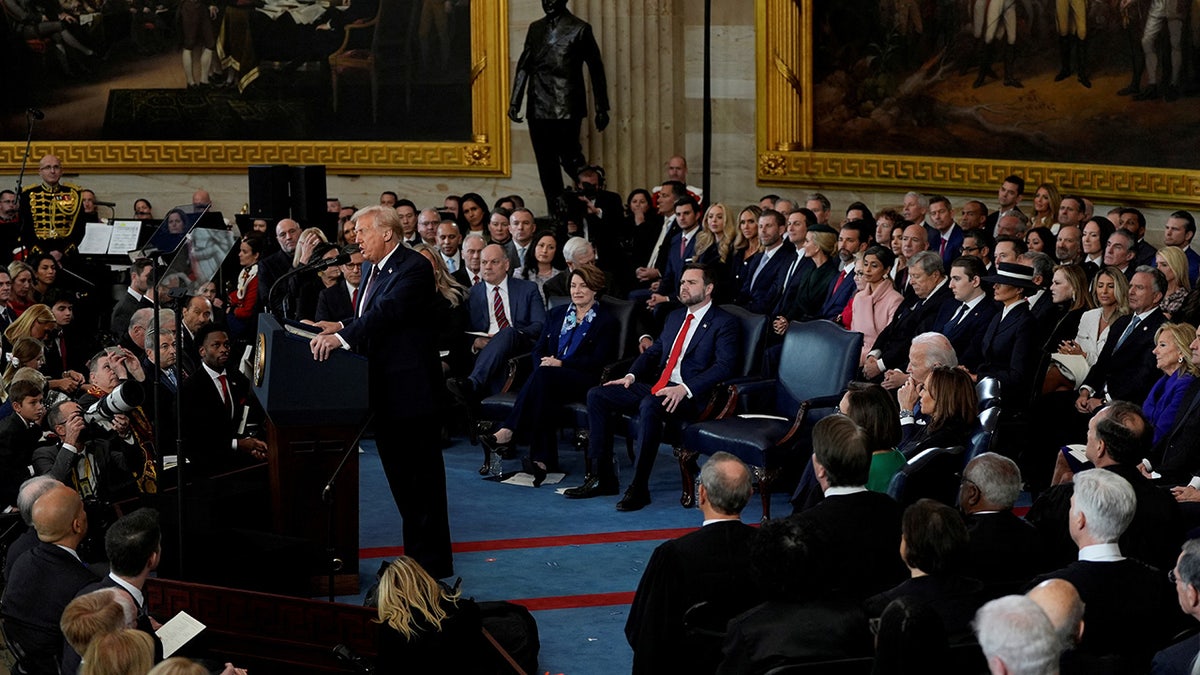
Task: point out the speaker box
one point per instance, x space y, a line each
270 195
308 194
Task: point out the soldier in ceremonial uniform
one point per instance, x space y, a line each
52 212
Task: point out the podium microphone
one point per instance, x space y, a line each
323 263
111 205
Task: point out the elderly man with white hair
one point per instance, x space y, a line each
576 251
1017 638
1130 611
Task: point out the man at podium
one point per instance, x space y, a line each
391 328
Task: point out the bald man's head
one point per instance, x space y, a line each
59 518
1062 604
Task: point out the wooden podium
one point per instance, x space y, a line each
314 410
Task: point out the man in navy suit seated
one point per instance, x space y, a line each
680 250
769 266
695 352
510 312
965 321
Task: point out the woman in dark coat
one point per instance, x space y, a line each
578 340
948 398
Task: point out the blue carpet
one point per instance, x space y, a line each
576 639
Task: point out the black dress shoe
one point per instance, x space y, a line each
1148 94
1083 79
463 390
593 486
534 469
1013 82
1128 90
1062 75
634 500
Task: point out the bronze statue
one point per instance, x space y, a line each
551 64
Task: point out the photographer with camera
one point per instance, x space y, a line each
112 402
101 466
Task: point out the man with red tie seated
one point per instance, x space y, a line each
511 313
694 353
391 328
212 402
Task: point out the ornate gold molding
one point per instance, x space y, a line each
785 139
489 155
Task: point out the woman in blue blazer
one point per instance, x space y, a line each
578 340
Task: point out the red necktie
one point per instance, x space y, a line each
942 248
474 279
498 308
841 278
225 394
676 350
354 297
682 246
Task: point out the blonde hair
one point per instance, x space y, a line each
23 326
408 596
1181 335
1177 261
706 238
124 652
447 286
312 230
177 665
24 349
1120 289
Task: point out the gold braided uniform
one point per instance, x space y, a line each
53 218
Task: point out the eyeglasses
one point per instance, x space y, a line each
968 250
963 479
353 265
1171 576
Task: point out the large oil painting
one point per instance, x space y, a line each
1099 96
358 85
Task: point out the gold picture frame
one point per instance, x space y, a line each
488 153
786 154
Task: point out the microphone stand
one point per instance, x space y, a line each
29 119
310 266
335 563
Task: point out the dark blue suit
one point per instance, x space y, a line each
966 335
549 387
838 295
675 263
333 304
393 331
1010 354
953 244
1128 371
526 314
760 294
709 359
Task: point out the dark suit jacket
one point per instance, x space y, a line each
1177 454
44 581
760 296
1128 372
865 528
117 464
208 429
811 292
1130 609
1154 536
123 311
270 269
953 244
1004 552
710 358
675 262
777 633
908 322
788 286
954 598
838 296
967 335
711 564
1011 353
17 443
393 332
334 303
71 659
526 311
1144 253
1176 659
597 349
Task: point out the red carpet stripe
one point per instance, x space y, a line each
541 542
574 601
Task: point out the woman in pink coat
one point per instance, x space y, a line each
876 300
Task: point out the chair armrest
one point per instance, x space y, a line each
744 394
824 401
346 34
518 366
621 367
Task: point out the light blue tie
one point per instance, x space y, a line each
1128 331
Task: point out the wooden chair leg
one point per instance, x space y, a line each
765 478
477 429
687 474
